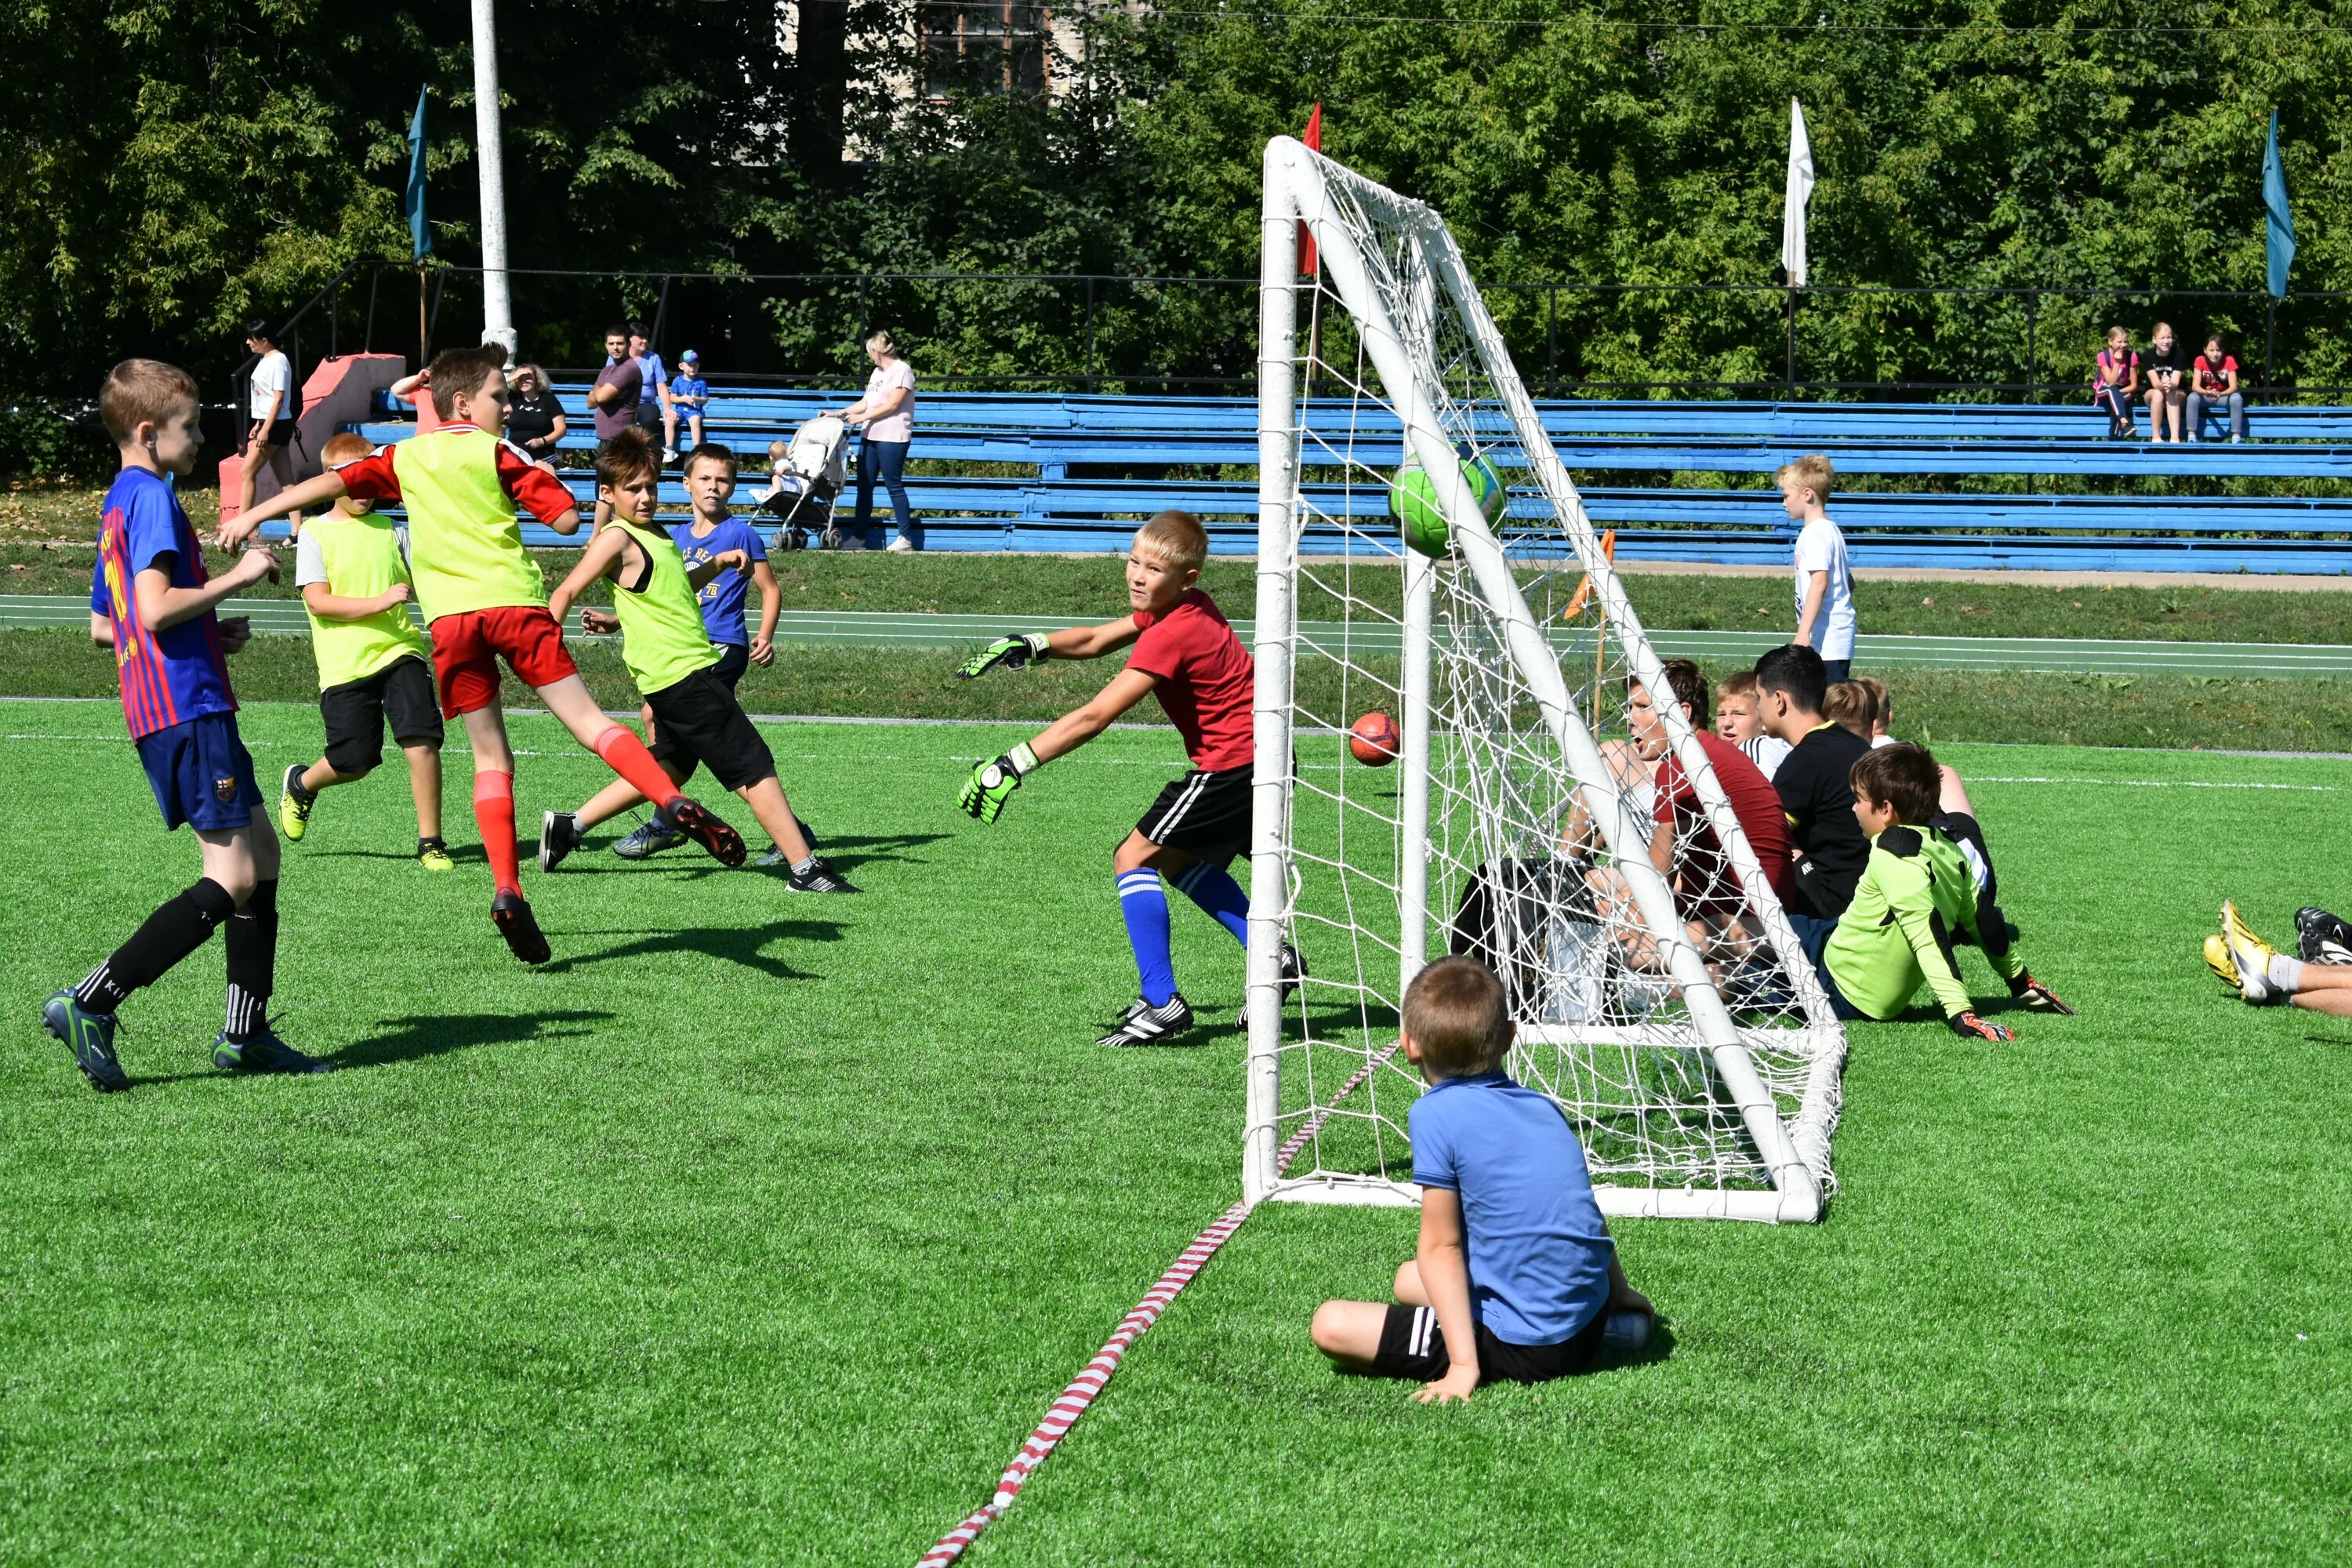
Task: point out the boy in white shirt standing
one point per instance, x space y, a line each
1824 581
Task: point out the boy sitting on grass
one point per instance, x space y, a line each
1187 656
1918 896
375 666
669 654
1516 1277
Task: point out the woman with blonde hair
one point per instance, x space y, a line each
888 412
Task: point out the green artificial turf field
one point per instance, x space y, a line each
762 1228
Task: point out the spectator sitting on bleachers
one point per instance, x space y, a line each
2114 381
2167 365
2216 387
535 420
689 394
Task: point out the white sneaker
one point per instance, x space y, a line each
669 455
901 546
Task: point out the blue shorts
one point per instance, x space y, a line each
1814 936
201 774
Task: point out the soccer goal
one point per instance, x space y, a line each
1422 555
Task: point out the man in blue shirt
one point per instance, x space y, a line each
1516 1272
152 604
653 387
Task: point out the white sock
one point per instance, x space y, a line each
2284 973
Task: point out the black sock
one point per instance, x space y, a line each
252 942
177 928
295 787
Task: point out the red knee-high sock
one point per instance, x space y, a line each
494 814
626 755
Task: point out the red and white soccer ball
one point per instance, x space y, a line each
1375 739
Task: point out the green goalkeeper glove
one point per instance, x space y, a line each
991 784
1014 651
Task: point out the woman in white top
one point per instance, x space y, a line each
270 424
888 412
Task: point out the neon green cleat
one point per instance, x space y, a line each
294 804
434 855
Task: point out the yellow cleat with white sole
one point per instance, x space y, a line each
2218 960
2251 956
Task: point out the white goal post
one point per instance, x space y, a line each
1689 1042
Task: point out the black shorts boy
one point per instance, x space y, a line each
399 695
1413 1346
1204 814
279 433
698 720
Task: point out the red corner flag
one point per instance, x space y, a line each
1313 139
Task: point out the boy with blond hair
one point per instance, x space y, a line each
484 600
1738 720
1851 705
373 664
669 654
1825 620
1516 1277
1916 898
153 606
1187 656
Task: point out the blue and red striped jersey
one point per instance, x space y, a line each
179 672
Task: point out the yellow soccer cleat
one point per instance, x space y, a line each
2250 956
2218 960
294 804
433 856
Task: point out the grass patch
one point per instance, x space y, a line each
760 1228
1937 706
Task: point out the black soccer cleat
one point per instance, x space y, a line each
2321 937
519 927
820 877
1145 1025
559 836
89 1036
1294 970
700 823
263 1053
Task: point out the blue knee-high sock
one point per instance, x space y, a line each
1220 896
1146 909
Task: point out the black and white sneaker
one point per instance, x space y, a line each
1145 1025
819 877
1294 970
559 836
2321 937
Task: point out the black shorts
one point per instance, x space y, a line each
734 658
698 721
1412 1345
357 712
649 413
281 434
1204 814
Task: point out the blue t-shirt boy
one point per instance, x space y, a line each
722 597
1537 1249
689 386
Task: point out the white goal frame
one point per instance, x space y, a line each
1303 187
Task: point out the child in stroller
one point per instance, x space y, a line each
806 474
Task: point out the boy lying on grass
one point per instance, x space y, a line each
2320 979
1916 898
1515 1271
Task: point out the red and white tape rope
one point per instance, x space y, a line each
1073 1400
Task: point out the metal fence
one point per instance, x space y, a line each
1100 332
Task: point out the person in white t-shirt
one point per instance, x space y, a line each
1824 581
888 412
270 424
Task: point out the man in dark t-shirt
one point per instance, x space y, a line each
618 386
1813 780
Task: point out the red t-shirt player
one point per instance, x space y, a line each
484 599
1683 845
1187 656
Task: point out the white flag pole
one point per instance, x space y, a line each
1792 222
497 313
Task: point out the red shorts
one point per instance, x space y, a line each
466 650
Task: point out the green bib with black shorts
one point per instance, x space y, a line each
663 637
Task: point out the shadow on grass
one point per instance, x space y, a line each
420 1035
738 944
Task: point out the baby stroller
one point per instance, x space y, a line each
801 496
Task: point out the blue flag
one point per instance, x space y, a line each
420 234
2282 222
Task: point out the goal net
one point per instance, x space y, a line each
1672 1014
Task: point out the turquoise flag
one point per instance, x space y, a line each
420 234
2280 237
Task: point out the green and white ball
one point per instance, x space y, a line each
1413 503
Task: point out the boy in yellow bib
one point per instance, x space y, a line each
375 666
696 718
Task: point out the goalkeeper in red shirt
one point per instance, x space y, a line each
1187 656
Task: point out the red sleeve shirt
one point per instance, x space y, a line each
1708 878
528 486
1207 679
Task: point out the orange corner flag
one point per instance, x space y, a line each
1313 137
1584 589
